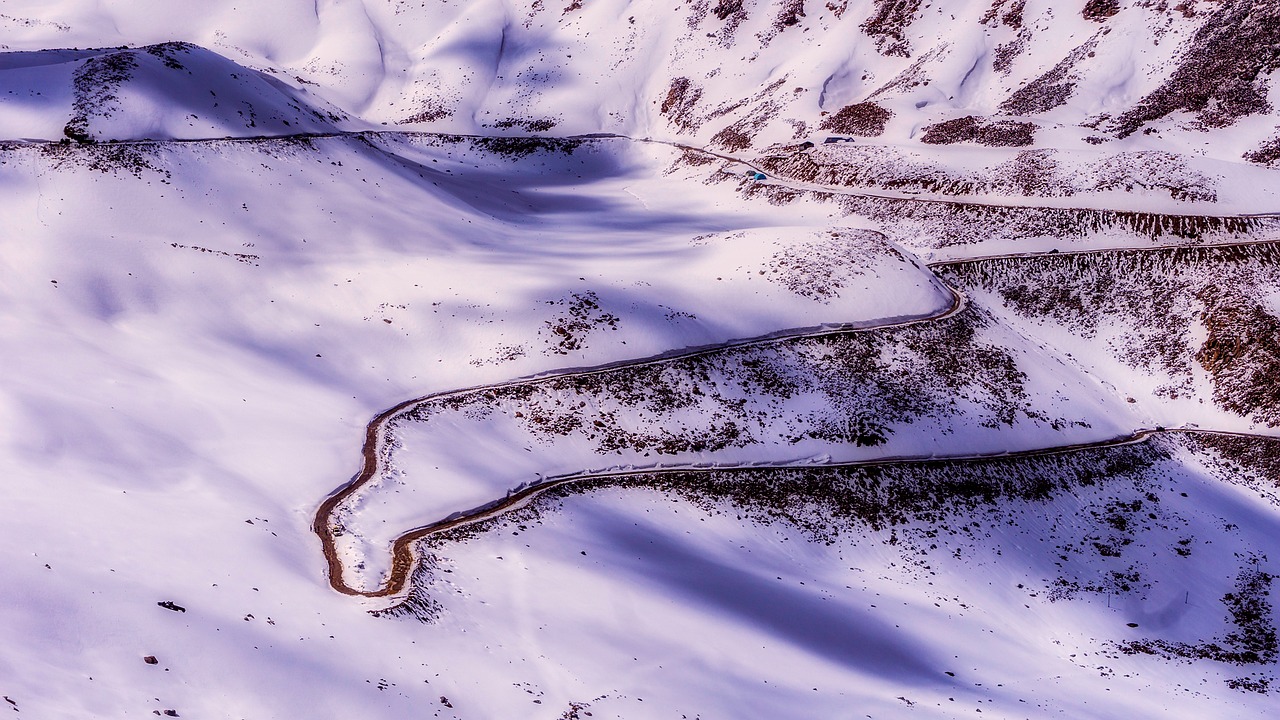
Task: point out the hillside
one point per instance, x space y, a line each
1137 75
374 358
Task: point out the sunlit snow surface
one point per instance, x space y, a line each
196 334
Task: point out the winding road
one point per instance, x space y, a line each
374 432
404 557
1066 203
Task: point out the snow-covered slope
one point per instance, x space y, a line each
166 91
743 73
1017 589
241 240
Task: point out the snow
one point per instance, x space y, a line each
294 216
775 615
173 91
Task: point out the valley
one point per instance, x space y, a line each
372 358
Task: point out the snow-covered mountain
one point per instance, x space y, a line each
735 74
166 91
375 358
